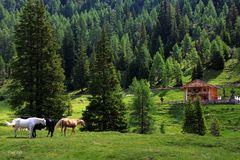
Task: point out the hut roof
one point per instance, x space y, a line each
198 83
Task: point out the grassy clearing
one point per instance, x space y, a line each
111 145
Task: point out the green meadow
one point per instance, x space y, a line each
129 146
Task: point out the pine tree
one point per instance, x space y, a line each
201 128
197 72
81 69
158 71
177 53
106 111
217 59
189 125
68 49
237 30
2 69
178 74
36 71
142 108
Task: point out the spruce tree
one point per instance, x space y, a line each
158 71
189 125
36 71
142 108
68 49
178 74
217 59
2 69
197 72
81 69
106 111
201 128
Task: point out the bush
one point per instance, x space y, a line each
215 129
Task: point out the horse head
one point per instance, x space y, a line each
81 122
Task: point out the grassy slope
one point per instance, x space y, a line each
230 74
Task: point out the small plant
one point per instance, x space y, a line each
162 128
215 129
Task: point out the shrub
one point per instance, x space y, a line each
215 129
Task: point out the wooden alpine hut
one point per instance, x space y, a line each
199 88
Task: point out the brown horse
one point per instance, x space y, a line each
71 123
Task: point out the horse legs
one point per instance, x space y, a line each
52 130
34 133
65 128
48 132
73 130
61 130
15 131
31 132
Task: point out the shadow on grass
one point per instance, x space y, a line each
211 75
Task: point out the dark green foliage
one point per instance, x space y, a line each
37 86
2 70
177 72
194 122
68 50
158 72
215 129
136 29
81 70
142 108
197 72
106 111
217 59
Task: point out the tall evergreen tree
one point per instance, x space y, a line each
197 72
142 108
68 49
178 74
81 69
217 59
2 69
158 71
106 111
36 71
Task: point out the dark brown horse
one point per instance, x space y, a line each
71 123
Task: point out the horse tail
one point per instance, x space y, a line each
10 124
59 123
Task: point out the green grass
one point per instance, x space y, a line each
112 145
230 74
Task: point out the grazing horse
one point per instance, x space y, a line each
26 123
72 123
50 124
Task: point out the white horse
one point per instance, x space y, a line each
26 123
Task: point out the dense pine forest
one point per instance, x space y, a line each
158 40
